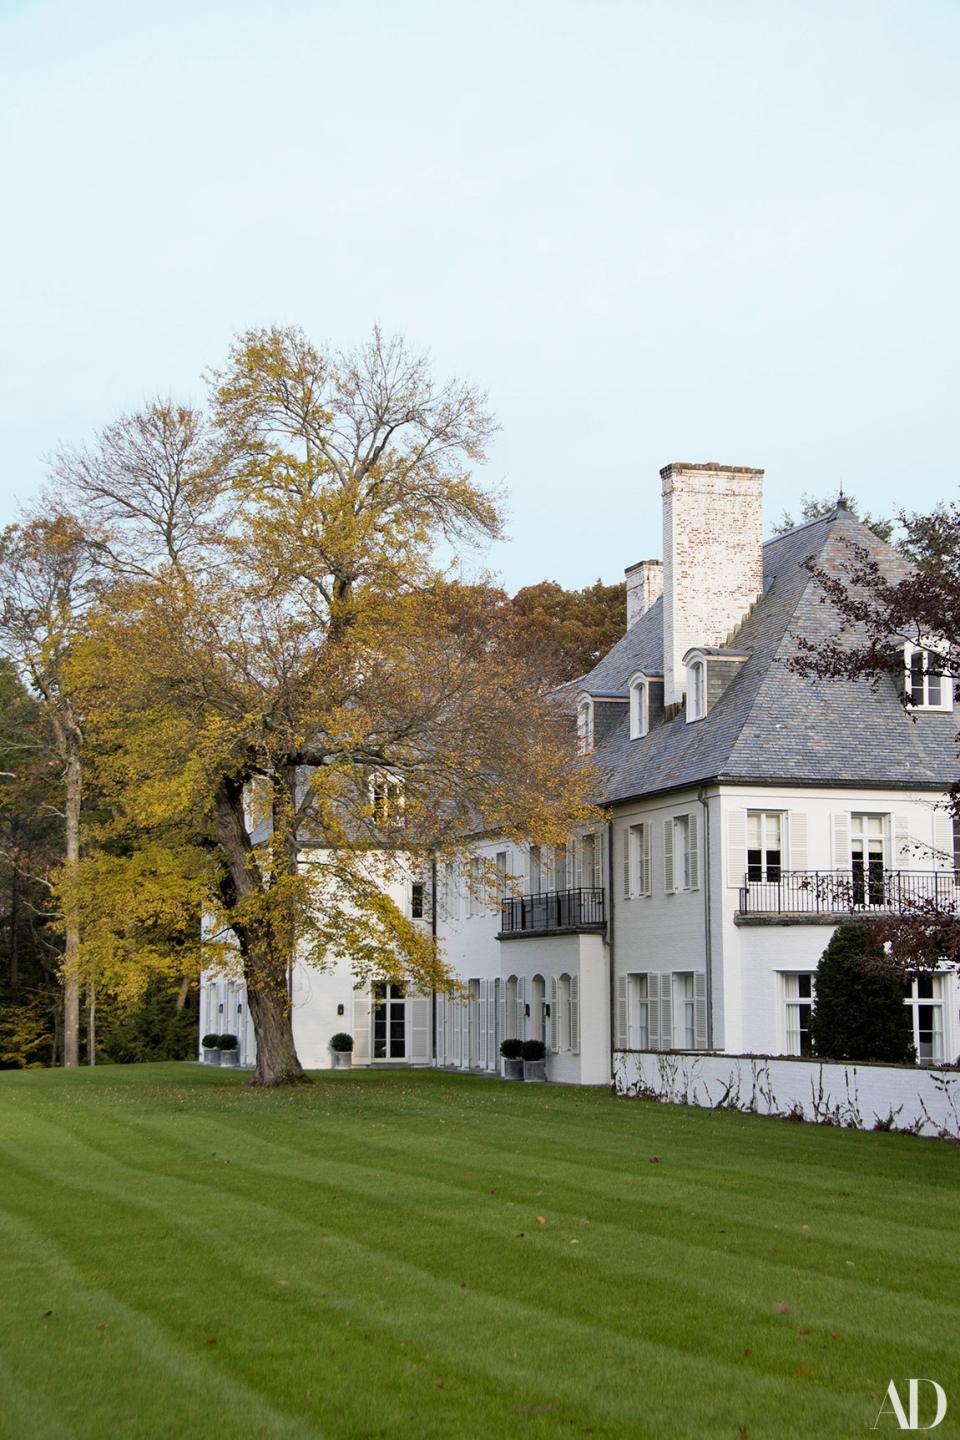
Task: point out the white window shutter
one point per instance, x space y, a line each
646 871
504 1021
577 864
943 840
361 1024
629 839
841 840
900 857
521 1008
795 857
596 880
668 856
483 1007
666 1012
622 1023
736 847
653 1010
693 854
418 1012
575 1014
700 1009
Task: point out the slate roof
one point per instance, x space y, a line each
769 724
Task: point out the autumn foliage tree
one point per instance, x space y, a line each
571 629
286 698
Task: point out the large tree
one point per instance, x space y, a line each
571 629
287 699
882 607
45 586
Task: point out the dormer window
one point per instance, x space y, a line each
584 725
927 688
639 706
696 689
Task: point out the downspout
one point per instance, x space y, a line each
433 932
707 932
613 979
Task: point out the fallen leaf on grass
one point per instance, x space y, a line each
102 1325
783 1308
283 1282
209 1342
801 1370
541 1220
654 1160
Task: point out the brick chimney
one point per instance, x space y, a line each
644 586
712 559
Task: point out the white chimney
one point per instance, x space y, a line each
644 586
712 559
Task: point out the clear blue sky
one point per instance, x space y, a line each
657 230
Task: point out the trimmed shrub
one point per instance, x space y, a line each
227 1042
511 1049
341 1042
858 1011
209 1042
534 1050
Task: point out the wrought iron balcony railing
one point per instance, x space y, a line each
552 910
831 892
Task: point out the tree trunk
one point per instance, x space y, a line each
71 957
270 1010
264 971
183 992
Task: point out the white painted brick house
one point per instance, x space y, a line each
748 809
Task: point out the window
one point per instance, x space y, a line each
926 1006
535 871
867 858
584 725
591 863
798 995
475 887
638 1012
764 845
416 900
685 1012
926 688
639 707
681 869
386 799
696 690
636 861
503 876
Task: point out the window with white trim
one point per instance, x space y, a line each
696 690
386 799
684 1012
584 725
926 1004
475 887
534 871
639 707
503 875
868 857
927 688
764 844
591 862
799 991
638 1012
637 879
681 868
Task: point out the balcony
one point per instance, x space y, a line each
800 895
552 912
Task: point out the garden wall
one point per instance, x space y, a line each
863 1097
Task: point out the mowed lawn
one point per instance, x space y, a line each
429 1255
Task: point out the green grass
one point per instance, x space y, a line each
430 1255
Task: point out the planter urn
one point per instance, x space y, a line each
512 1069
230 1058
534 1070
211 1055
342 1059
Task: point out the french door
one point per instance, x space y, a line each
389 1022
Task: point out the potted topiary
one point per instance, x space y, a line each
512 1053
229 1050
341 1047
211 1054
534 1060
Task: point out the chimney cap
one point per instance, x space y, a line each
680 466
639 564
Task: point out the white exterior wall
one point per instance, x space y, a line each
755 956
